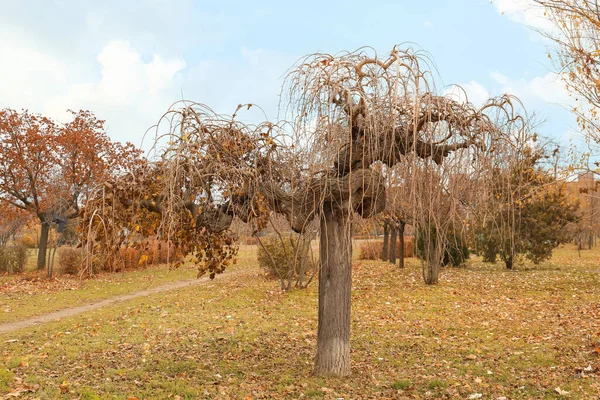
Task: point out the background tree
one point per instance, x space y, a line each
13 220
396 215
436 215
528 210
48 170
576 34
28 167
88 157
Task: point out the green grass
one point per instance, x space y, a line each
518 334
401 385
40 297
20 299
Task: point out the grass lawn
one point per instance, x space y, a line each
30 295
482 332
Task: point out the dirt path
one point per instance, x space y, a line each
69 312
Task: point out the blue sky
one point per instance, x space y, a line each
129 60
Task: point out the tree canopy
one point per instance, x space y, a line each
49 169
343 116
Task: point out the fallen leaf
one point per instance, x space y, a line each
560 391
64 387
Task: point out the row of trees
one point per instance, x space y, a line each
513 206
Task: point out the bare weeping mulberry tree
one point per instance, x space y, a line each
347 114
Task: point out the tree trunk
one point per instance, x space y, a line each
431 271
386 240
302 270
393 244
433 255
43 245
335 285
51 263
508 261
401 249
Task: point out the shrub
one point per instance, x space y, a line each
129 258
281 260
409 247
28 241
274 256
250 240
151 252
135 255
70 260
373 250
158 252
13 259
456 252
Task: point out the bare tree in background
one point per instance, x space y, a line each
13 220
576 34
397 214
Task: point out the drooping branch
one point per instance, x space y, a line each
378 110
364 190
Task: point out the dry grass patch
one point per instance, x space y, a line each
483 330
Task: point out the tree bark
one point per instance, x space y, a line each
43 245
393 244
335 286
386 241
433 255
509 262
401 248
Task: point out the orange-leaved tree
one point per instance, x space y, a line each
48 169
13 220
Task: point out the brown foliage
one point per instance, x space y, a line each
373 250
47 168
13 259
251 241
70 260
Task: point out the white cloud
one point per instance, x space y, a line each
121 60
540 89
428 24
499 78
132 90
525 12
28 73
474 92
130 94
545 97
